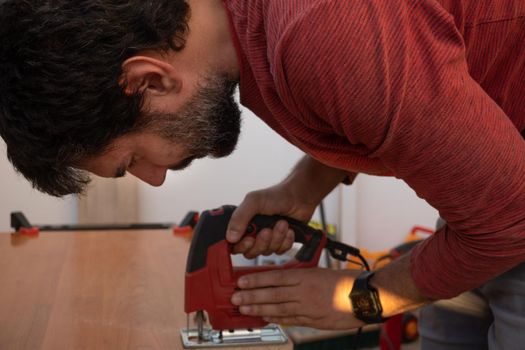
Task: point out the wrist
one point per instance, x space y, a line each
366 303
396 288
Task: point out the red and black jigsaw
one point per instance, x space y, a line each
211 279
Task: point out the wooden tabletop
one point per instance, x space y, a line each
94 290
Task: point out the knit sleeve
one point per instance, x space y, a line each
392 77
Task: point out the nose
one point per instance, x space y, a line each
151 174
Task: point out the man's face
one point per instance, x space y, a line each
207 125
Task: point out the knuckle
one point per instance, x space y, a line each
266 235
263 241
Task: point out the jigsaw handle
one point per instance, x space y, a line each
212 225
303 233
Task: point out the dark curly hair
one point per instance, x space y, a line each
60 68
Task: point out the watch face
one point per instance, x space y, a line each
365 300
365 305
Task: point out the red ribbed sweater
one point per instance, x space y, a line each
432 92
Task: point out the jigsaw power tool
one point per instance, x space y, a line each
211 279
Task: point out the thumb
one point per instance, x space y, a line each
239 220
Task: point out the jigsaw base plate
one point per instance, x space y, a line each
271 334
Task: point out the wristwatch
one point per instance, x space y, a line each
365 300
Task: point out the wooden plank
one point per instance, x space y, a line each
94 290
29 270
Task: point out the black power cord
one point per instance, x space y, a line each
325 229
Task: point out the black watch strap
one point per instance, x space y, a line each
365 300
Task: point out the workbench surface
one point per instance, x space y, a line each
94 290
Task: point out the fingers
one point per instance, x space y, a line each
268 241
268 302
270 279
278 237
244 245
277 240
287 242
261 245
265 296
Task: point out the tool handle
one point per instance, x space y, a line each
212 226
303 233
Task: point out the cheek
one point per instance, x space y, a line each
162 152
101 166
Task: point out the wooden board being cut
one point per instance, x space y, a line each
94 290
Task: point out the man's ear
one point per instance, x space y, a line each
149 75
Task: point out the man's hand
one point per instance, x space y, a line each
319 297
305 297
274 200
297 196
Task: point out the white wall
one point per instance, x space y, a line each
16 194
381 212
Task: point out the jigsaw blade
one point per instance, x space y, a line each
199 319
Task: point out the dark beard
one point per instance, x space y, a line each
208 125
